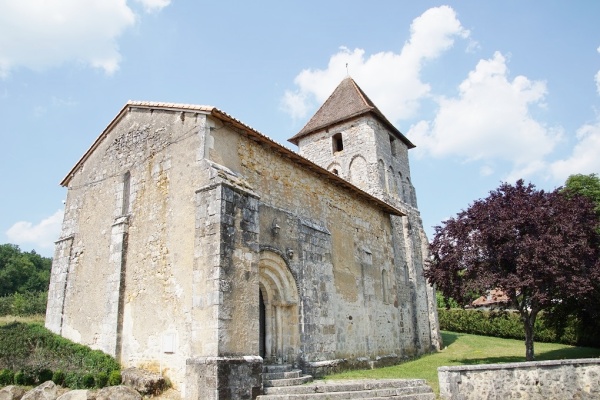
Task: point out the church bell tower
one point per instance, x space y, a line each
349 136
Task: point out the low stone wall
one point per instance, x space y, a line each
562 379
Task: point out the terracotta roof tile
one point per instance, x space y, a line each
346 102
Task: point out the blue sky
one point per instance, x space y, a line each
489 91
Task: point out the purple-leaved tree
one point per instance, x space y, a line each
540 248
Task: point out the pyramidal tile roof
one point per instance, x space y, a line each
346 102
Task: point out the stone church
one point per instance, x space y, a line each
194 246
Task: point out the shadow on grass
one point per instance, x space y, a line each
450 337
560 354
489 360
569 353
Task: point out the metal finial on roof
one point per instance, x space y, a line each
347 72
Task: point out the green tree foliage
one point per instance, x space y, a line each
22 272
584 185
29 303
587 307
540 248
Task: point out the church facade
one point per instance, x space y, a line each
196 246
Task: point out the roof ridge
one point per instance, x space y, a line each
162 104
368 102
251 132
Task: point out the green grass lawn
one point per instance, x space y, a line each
461 349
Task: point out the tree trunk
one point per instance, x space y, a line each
529 322
529 354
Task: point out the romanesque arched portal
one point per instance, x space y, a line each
280 339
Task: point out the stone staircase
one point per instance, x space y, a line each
365 389
283 375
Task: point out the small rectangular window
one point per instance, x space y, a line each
338 143
393 146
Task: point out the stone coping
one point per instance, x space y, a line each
522 365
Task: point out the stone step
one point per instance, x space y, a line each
417 396
415 393
296 373
277 368
346 385
301 380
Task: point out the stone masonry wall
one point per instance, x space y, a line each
225 279
342 249
561 379
372 159
216 378
121 280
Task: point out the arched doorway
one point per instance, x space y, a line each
278 297
262 324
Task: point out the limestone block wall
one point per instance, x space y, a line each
121 280
225 278
58 284
372 158
214 378
343 256
355 162
561 379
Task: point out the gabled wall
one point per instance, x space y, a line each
121 276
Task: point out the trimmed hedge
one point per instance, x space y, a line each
507 324
32 355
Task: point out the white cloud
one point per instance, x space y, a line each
486 170
597 77
154 5
295 104
584 158
490 120
392 80
42 236
39 34
60 102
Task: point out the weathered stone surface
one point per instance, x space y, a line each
120 392
11 392
46 391
235 378
143 381
79 394
561 379
169 394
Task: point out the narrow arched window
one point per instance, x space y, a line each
126 192
384 286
